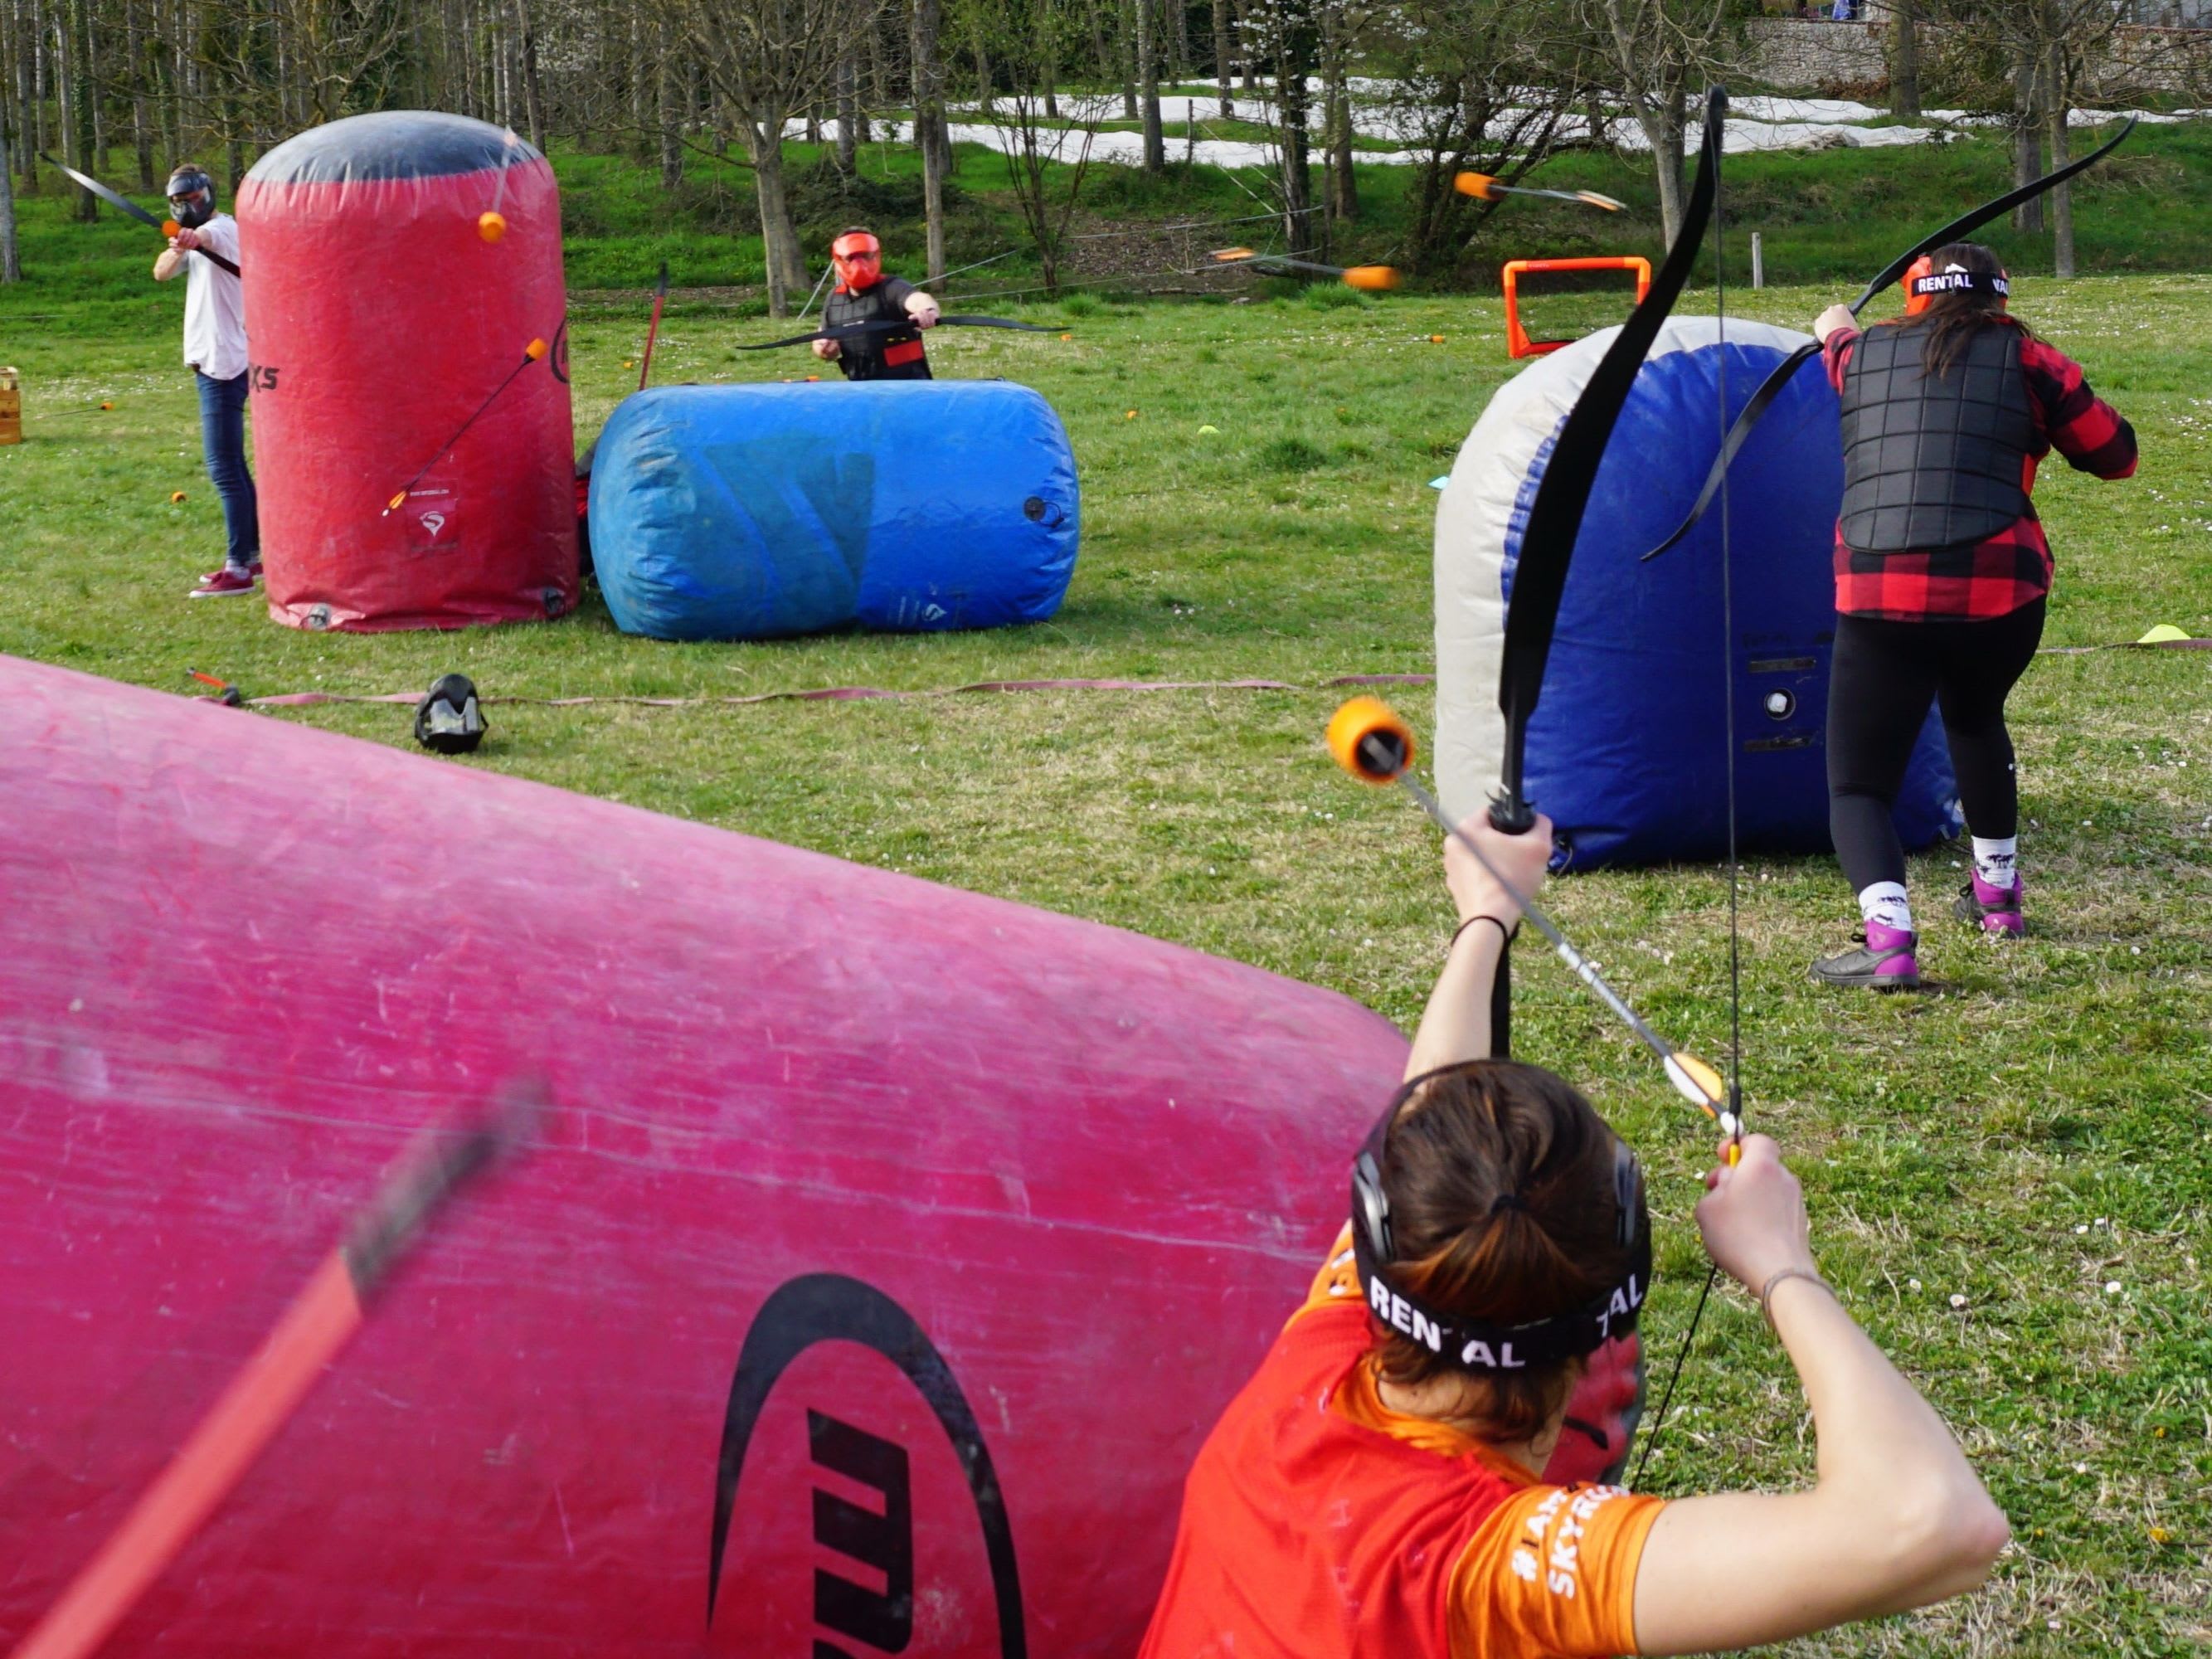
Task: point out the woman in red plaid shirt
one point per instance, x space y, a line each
1941 572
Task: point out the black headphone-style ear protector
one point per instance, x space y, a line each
1477 1345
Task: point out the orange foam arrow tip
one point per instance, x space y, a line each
1476 184
396 503
170 227
1374 279
1367 738
1227 254
534 350
491 226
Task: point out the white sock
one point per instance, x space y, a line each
1885 903
1995 861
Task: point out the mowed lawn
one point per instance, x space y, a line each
2010 1173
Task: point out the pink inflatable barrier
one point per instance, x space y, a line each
882 1258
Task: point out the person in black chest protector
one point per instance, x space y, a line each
865 295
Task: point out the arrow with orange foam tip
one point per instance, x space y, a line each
1371 279
1483 187
1371 740
532 353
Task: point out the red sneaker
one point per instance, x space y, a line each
253 569
223 584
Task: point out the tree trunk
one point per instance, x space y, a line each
1128 63
786 265
1102 59
94 87
1664 129
1148 82
1601 125
1294 46
533 88
24 51
982 53
1221 60
1244 44
668 106
142 134
849 116
2057 107
11 265
1343 184
1905 59
1179 39
2027 137
77 99
640 120
1049 68
929 128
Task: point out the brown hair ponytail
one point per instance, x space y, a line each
1503 1204
1952 319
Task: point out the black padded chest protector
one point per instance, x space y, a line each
864 358
1933 463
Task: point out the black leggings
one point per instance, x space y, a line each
1883 676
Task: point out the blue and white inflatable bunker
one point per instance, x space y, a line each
750 512
1628 748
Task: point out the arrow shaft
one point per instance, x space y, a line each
262 1398
652 329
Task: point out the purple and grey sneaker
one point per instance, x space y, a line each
1994 910
1883 961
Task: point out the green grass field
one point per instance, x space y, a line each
2033 1134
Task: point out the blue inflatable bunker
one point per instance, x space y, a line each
750 511
1629 749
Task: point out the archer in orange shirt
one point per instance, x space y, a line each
1376 1490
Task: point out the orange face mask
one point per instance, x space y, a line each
859 258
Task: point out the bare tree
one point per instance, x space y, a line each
1657 53
1145 42
1487 86
11 264
771 60
1045 160
930 132
1903 57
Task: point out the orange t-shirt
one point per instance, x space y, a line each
1319 1522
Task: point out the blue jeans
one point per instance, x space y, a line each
222 435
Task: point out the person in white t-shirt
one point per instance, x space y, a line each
214 349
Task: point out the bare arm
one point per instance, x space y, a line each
1456 1024
923 308
171 261
1896 1518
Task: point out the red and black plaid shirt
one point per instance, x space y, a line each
2012 569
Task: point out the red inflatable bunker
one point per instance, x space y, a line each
886 1248
384 313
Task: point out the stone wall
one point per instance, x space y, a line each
1807 55
1813 56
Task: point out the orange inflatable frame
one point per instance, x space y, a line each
1517 343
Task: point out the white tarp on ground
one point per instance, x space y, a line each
1754 125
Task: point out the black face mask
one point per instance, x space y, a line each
191 198
447 719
